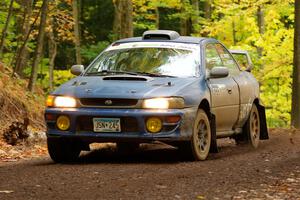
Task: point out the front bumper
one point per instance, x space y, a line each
132 124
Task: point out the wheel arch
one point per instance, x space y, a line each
204 104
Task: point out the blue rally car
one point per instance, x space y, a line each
183 91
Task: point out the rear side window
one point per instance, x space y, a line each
242 60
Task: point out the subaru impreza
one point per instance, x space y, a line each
182 91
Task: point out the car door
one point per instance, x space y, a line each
224 91
249 87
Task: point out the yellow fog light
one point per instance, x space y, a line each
153 124
63 122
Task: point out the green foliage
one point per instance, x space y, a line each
89 52
59 76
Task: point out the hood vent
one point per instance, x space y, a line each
126 78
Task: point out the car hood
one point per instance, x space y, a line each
137 87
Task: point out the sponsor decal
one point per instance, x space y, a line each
171 45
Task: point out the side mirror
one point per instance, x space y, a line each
77 69
219 72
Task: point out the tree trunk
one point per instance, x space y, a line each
123 22
128 18
195 17
76 31
234 33
184 27
2 42
207 9
185 20
22 53
39 46
295 116
261 26
117 20
157 17
52 55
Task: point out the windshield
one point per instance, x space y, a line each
155 60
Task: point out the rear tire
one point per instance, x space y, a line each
63 150
251 129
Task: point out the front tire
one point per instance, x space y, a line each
201 137
63 150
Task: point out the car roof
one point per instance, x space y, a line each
180 39
165 36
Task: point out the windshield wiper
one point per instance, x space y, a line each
105 72
154 75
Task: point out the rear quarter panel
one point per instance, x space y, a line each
249 91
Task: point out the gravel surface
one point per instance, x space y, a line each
157 172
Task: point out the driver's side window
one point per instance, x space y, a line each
227 60
212 58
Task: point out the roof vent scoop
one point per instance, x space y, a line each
160 35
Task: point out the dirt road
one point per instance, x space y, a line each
157 172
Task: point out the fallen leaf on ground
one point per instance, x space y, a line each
6 191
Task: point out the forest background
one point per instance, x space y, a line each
41 39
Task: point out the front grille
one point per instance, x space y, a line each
128 124
108 102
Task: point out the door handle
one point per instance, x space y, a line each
229 91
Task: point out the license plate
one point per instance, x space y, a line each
107 125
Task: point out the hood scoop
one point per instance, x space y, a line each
127 78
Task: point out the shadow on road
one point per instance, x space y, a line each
155 153
162 154
111 155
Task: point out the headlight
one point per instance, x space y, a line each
61 101
159 103
164 103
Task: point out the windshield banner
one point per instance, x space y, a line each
171 45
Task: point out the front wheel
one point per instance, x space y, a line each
63 150
201 137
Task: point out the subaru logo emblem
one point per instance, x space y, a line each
108 102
